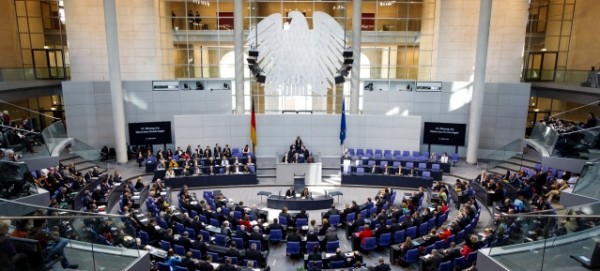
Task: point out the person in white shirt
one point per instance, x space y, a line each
170 173
444 158
225 164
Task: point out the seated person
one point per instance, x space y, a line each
290 193
305 194
338 256
51 242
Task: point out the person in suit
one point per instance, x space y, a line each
188 262
432 262
253 254
381 265
291 192
298 143
294 236
199 244
227 266
451 252
185 241
275 225
315 254
206 265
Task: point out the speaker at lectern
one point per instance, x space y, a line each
298 182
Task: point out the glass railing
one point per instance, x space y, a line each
32 74
545 136
92 240
15 180
588 185
503 154
550 240
54 135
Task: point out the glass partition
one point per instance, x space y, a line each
588 182
92 240
550 240
545 136
54 134
498 157
15 180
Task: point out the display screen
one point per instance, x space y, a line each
145 133
444 133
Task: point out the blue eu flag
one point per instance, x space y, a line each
343 124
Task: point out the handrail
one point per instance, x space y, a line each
87 214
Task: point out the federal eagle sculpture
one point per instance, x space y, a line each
295 59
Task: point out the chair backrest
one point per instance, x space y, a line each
411 255
429 248
410 165
412 232
332 246
179 228
215 222
364 213
214 255
319 264
179 250
239 242
283 220
435 166
426 174
337 264
422 165
445 266
143 237
350 217
163 267
205 235
292 248
311 245
220 240
164 245
196 254
257 242
385 239
334 219
234 260
373 210
360 170
301 222
399 236
275 235
441 244
370 243
423 229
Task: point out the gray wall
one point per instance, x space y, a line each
319 133
88 107
89 116
504 114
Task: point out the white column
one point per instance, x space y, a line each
356 32
476 110
238 41
116 85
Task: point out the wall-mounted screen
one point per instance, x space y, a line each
143 133
444 133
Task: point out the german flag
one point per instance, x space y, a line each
253 125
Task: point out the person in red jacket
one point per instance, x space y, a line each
364 234
445 233
246 222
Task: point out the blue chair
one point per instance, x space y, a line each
257 242
215 222
460 236
191 232
410 256
385 240
163 267
220 240
179 250
350 218
454 158
318 264
301 222
423 229
445 266
310 246
203 219
337 264
332 246
415 154
237 215
334 220
422 165
441 244
412 232
459 263
435 167
399 236
428 249
370 244
180 268
239 242
450 239
164 245
144 238
360 171
283 221
364 213
372 211
441 219
426 174
163 224
196 254
205 235
179 228
215 256
431 224
292 249
275 236
471 258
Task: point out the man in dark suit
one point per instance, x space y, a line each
432 261
291 192
294 236
360 221
232 252
227 266
253 254
338 256
199 244
206 265
240 207
168 236
451 253
332 211
275 225
381 265
185 241
188 262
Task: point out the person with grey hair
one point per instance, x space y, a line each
432 261
381 265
